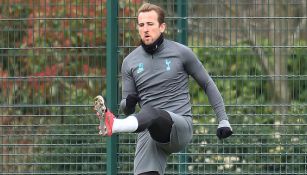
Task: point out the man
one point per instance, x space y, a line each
155 76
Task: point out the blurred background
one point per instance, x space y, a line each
56 56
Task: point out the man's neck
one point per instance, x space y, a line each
152 48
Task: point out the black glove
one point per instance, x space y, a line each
131 101
224 130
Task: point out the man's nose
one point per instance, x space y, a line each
145 28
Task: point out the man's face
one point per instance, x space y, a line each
149 27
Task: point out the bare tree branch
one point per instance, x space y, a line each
301 24
251 37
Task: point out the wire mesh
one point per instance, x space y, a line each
52 64
51 68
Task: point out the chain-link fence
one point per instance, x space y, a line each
53 57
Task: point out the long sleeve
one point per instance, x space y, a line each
194 67
128 87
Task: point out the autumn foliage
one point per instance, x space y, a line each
52 54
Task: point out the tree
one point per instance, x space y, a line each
270 28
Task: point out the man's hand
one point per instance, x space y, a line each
129 104
131 101
224 130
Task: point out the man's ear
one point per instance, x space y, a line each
162 27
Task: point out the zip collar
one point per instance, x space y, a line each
152 48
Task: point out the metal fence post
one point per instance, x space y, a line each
182 38
112 83
182 21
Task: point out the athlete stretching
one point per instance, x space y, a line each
155 76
